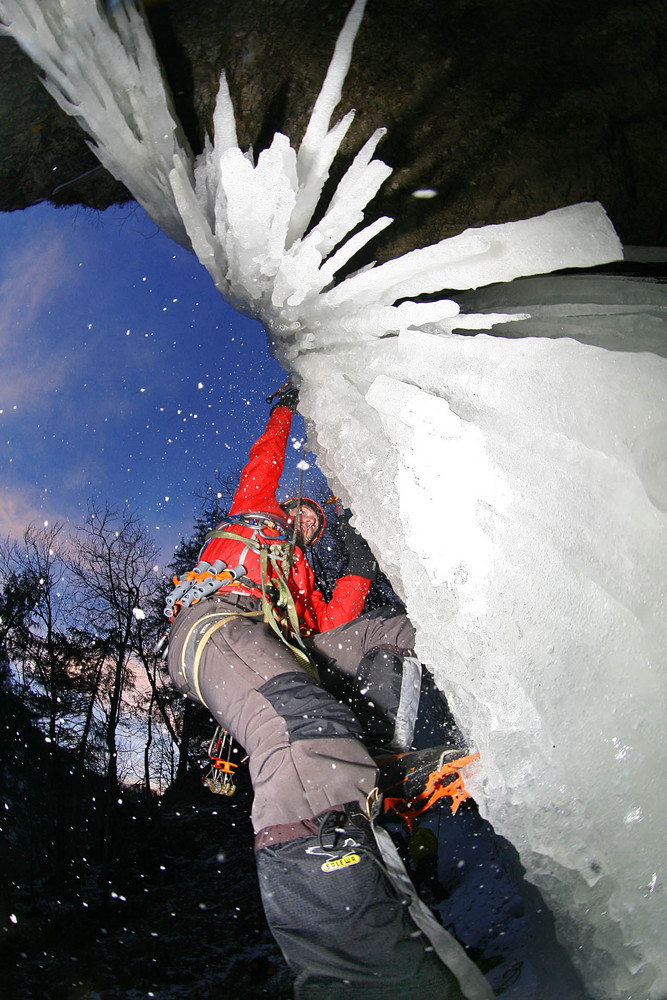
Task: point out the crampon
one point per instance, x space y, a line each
412 782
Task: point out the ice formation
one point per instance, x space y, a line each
514 487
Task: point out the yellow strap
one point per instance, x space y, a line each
200 649
221 618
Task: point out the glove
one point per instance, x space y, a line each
361 560
287 395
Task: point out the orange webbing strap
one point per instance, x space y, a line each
446 781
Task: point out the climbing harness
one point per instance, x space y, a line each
274 551
268 540
219 778
208 578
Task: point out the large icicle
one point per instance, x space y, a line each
106 74
514 489
319 146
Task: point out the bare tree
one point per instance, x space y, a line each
52 667
114 560
159 704
48 652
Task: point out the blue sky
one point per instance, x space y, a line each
123 373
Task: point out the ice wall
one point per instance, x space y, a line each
513 486
516 515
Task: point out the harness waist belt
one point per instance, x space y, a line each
199 634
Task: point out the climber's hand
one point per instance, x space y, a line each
287 395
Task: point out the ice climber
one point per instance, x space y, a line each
340 918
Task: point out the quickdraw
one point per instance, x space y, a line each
219 778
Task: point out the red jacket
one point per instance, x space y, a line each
256 492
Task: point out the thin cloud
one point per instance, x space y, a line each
33 279
18 510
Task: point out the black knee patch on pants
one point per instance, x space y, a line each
309 711
373 693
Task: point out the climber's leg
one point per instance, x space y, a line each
370 665
342 928
304 747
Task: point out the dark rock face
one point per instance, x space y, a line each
506 109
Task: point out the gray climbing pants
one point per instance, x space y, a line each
304 747
369 664
340 922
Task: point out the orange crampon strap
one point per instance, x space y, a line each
446 781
